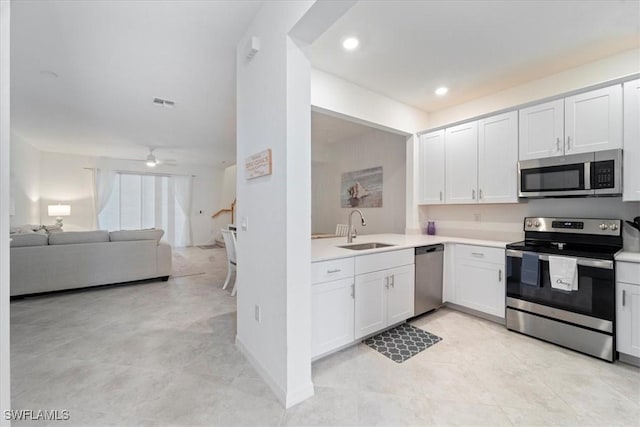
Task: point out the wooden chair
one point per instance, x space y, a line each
342 230
230 244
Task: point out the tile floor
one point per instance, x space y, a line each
163 354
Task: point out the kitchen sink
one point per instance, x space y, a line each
365 246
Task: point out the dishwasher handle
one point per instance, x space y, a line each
428 249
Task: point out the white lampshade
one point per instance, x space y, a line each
59 210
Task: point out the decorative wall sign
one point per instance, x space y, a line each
258 165
362 189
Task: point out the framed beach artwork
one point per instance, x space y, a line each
362 188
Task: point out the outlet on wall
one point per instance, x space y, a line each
476 217
257 313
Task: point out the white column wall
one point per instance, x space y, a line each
5 366
273 111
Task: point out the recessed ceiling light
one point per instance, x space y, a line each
442 91
350 43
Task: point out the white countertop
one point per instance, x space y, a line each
326 249
628 256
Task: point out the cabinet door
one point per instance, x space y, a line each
541 130
628 318
498 159
480 286
431 167
332 314
593 120
400 297
370 303
631 178
461 155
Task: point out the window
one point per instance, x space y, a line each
139 201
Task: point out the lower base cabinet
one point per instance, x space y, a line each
383 298
332 315
628 308
479 279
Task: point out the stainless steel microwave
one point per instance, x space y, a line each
588 174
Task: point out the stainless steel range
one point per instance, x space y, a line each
561 283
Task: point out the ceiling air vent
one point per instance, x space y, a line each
164 102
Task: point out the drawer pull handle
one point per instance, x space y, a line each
500 275
335 270
477 254
393 281
624 297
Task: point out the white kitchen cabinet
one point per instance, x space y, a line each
332 315
370 303
498 158
479 279
431 166
628 308
461 160
593 120
582 123
384 290
631 141
401 293
541 130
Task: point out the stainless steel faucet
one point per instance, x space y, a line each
349 234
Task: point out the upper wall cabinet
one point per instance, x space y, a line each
541 131
431 167
631 161
461 160
590 121
593 120
498 159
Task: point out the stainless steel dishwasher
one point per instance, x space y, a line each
428 293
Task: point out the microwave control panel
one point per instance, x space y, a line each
603 174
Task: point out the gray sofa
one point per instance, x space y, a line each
68 260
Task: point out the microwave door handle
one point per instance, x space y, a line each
587 175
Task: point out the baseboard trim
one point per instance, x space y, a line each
629 359
287 399
471 311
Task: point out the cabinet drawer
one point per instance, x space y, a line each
384 260
628 272
480 253
334 269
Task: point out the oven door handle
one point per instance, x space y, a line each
585 262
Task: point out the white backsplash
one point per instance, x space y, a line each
504 221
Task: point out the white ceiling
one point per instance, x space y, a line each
112 58
476 47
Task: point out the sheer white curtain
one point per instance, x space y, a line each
183 189
103 184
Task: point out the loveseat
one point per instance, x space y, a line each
77 259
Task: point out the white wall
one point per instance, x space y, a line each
5 122
25 182
333 94
376 148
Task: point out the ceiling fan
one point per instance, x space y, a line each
152 161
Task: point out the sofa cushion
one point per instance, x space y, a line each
73 237
124 235
29 239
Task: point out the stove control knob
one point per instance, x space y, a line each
529 224
537 224
613 227
603 227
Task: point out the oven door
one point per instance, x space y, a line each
595 297
563 176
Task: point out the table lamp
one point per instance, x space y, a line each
59 211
